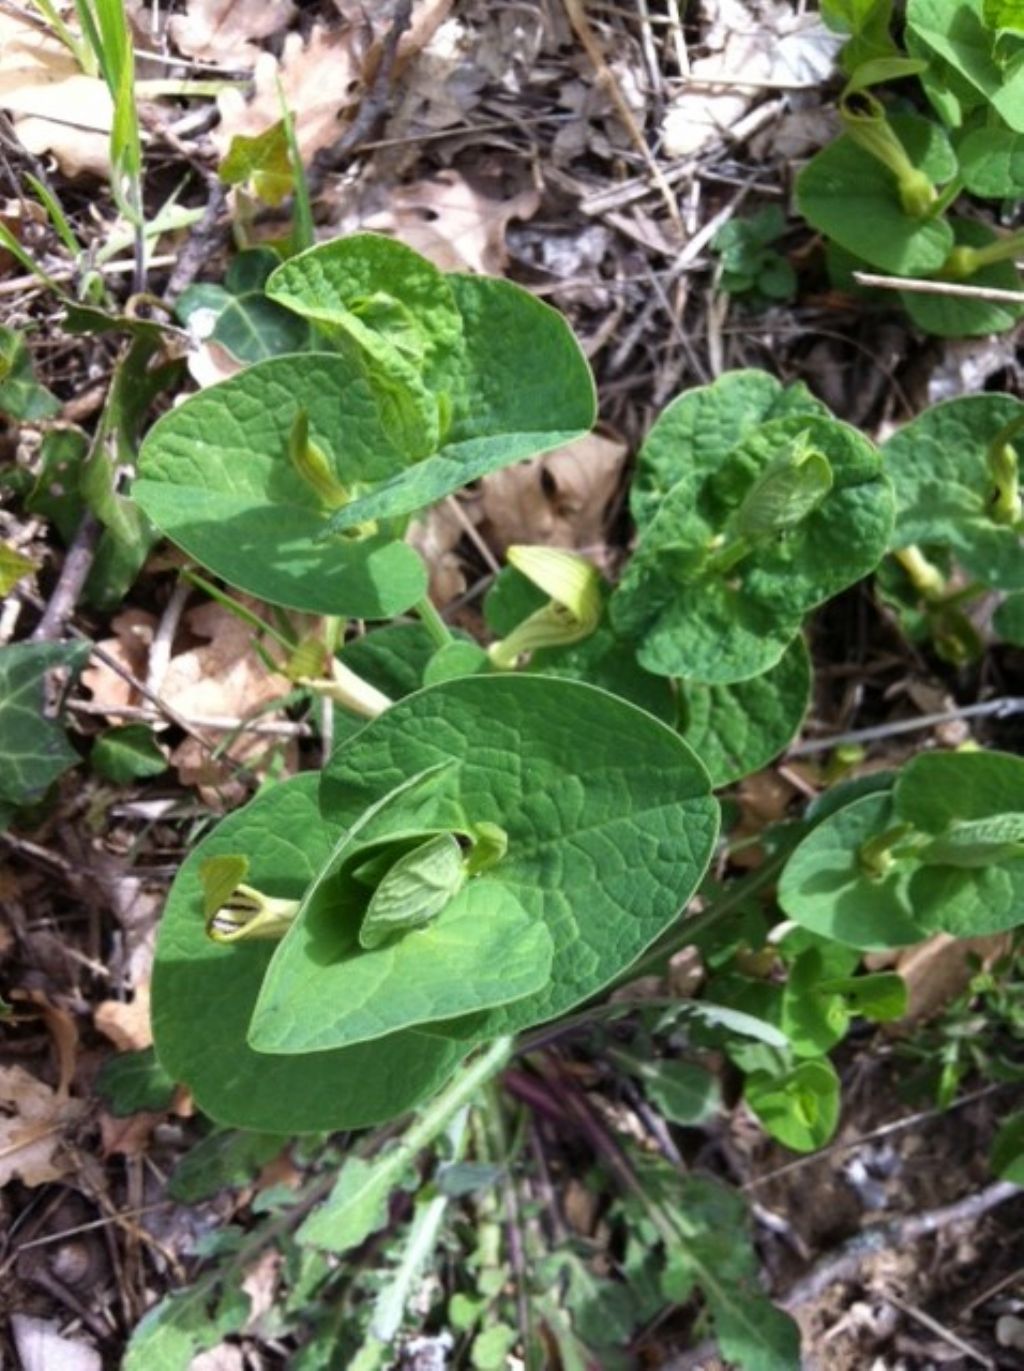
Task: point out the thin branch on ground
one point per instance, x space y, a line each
955 289
1003 708
73 575
844 1264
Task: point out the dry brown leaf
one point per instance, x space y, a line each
61 1028
127 1137
43 89
228 31
260 1284
224 676
55 107
756 41
319 80
126 1023
435 535
41 1347
33 1118
133 636
559 499
455 226
939 969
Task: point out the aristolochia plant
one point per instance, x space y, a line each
483 857
294 480
765 521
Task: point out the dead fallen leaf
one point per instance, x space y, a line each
127 1137
228 31
223 676
33 1118
41 1347
319 79
126 1023
61 1028
54 106
559 499
435 535
939 969
260 1284
763 42
455 226
133 635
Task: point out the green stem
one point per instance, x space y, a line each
433 623
421 1242
963 262
946 197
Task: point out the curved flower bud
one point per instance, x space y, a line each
236 912
574 585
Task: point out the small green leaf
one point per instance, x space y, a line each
800 1107
22 397
204 993
958 35
992 163
940 471
853 198
414 891
701 427
1008 1150
684 1092
127 754
454 660
32 744
950 316
173 1333
262 161
977 842
134 1081
714 607
240 316
355 1208
224 1159
1008 620
13 566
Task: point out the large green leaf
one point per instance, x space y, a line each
736 729
701 621
204 993
520 387
217 477
939 467
34 748
700 428
853 198
608 814
955 31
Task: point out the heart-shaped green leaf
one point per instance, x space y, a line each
218 477
699 429
496 372
34 747
711 603
940 470
800 1107
853 198
204 993
737 729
